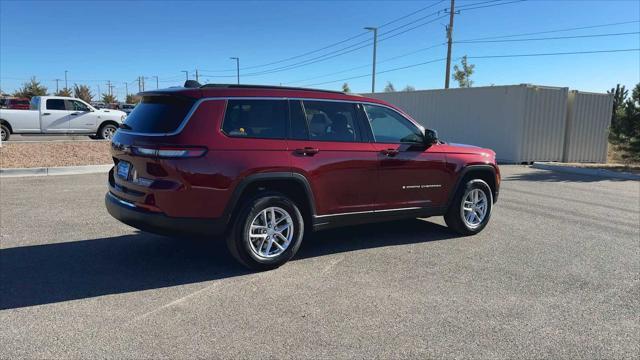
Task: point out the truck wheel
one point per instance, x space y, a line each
106 131
266 232
470 210
5 134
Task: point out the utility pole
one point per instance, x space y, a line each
375 45
449 42
126 90
139 84
57 80
157 86
197 77
186 73
142 78
109 87
237 59
65 79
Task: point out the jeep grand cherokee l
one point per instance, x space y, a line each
263 165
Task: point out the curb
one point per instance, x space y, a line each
61 170
585 171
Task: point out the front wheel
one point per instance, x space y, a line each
106 132
470 210
266 232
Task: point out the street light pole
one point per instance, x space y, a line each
237 59
186 73
375 45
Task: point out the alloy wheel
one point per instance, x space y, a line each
474 208
271 232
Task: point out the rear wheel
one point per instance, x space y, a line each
106 131
470 210
5 134
266 232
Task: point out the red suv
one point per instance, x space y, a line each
263 164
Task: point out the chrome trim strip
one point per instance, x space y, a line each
200 101
367 212
125 203
401 209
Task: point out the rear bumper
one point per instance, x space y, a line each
158 223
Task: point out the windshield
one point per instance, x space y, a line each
159 114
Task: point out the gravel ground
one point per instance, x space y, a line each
556 274
48 154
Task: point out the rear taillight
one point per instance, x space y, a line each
169 152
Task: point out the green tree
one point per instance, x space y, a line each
82 92
132 99
389 87
463 75
108 99
64 92
31 89
346 88
619 96
409 88
625 123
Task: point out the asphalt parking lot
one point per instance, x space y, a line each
556 274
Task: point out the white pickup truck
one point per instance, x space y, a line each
60 115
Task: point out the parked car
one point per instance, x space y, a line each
128 108
60 115
14 103
264 165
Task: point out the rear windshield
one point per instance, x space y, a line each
159 114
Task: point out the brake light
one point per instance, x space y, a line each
169 152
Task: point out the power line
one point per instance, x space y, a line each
547 38
336 53
336 43
490 5
481 57
554 31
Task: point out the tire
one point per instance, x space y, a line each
106 131
263 254
457 218
4 132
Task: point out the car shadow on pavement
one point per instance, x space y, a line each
556 176
44 274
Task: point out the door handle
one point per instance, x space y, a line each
45 114
307 151
73 114
390 152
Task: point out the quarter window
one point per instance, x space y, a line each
332 121
55 104
390 127
264 119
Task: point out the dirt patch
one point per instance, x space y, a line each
49 154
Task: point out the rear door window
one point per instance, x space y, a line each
332 121
56 104
263 119
159 114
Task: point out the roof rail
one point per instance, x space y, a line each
235 86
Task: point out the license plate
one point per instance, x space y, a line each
123 169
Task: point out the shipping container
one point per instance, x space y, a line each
522 123
588 121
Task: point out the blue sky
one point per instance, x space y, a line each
119 41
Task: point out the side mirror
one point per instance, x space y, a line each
430 137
